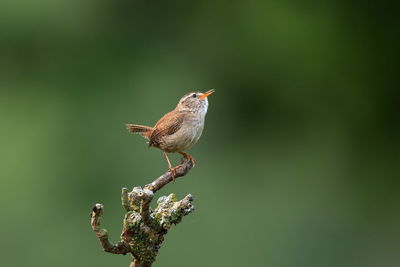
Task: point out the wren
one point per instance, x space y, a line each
179 129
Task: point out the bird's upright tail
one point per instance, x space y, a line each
144 131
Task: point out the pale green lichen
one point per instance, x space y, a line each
170 211
145 239
143 228
134 198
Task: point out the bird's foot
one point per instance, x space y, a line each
188 157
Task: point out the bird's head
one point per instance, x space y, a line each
195 101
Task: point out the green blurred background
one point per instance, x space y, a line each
299 161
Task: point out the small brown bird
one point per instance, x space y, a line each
179 129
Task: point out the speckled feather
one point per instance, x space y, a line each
169 124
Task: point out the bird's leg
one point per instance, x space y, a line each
189 157
171 169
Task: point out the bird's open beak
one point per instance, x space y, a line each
206 94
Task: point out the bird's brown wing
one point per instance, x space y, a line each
169 124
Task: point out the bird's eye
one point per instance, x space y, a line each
194 95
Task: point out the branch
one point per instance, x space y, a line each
125 199
145 207
120 248
170 211
137 263
180 170
144 229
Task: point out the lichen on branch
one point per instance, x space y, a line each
143 229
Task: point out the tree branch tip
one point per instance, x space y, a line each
184 159
148 193
98 208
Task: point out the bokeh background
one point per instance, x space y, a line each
299 161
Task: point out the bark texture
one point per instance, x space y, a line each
143 228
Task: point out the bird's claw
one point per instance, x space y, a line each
189 158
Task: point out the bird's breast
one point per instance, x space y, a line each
188 134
